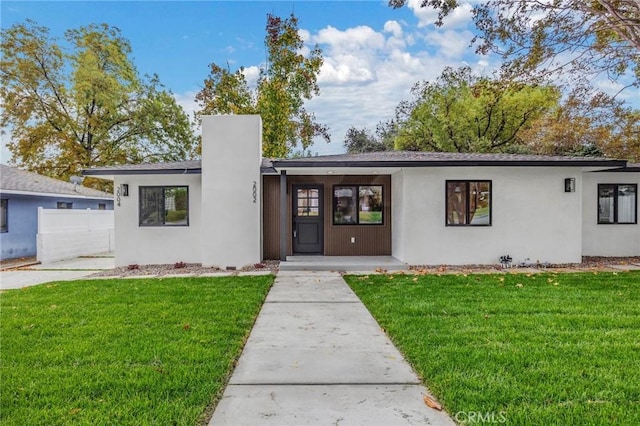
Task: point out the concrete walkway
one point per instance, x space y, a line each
317 357
63 270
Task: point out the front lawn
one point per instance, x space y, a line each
122 351
547 349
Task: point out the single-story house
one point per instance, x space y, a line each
235 208
22 192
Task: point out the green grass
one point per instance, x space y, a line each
126 352
529 349
370 217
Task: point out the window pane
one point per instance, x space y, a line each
102 206
479 203
308 204
627 203
456 203
344 202
605 204
176 205
4 224
370 204
469 203
64 205
151 206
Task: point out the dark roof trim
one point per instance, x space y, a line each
620 170
451 163
113 172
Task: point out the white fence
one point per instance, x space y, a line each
65 234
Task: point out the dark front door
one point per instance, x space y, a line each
307 219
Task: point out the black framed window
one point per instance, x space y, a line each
468 202
4 215
358 205
102 206
617 203
164 206
64 205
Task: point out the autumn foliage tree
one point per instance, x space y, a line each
587 123
288 79
67 109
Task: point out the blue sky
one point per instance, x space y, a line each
373 54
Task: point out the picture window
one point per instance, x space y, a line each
468 203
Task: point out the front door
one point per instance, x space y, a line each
307 219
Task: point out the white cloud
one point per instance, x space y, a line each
459 17
251 74
450 43
358 38
394 28
188 102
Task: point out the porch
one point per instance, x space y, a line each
342 263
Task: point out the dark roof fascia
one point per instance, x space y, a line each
452 163
114 172
620 170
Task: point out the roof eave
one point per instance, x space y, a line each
114 172
285 164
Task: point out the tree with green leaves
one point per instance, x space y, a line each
460 112
287 80
67 109
580 37
358 141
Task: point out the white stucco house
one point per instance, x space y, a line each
234 208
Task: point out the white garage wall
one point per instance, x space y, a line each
609 239
156 244
532 217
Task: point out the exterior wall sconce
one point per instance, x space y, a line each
570 185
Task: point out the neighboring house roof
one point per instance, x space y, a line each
438 159
16 181
372 159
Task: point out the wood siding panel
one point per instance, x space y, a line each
370 240
271 217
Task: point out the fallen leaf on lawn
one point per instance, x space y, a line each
415 279
186 326
431 402
519 285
